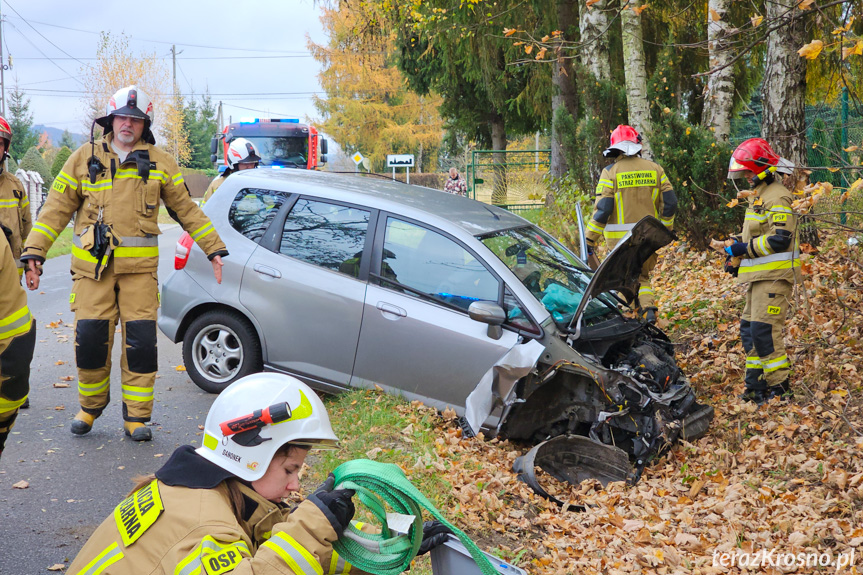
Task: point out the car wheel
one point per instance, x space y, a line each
220 347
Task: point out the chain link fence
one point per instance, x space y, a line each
512 179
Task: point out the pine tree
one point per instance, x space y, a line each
21 122
60 159
67 140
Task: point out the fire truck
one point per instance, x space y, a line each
281 143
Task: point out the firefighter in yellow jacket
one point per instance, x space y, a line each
241 155
14 202
17 338
769 264
628 190
114 187
217 508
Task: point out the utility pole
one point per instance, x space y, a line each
219 118
176 99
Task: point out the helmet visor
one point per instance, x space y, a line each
737 170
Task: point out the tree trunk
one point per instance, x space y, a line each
594 39
719 93
498 142
635 73
783 122
564 85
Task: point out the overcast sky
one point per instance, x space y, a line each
250 55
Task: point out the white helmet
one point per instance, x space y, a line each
129 101
247 454
242 151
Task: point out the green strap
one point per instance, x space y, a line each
381 553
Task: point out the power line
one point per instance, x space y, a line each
43 53
167 42
40 33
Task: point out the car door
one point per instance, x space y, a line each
416 335
303 288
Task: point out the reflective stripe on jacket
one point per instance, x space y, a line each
15 319
769 229
194 531
120 196
15 212
628 190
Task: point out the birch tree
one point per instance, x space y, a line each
635 71
719 92
593 22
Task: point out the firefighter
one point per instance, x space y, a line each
217 508
14 202
17 338
628 190
114 186
241 155
769 264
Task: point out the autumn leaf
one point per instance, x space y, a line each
180 368
639 9
856 186
61 385
743 194
714 15
756 20
21 484
509 31
590 3
732 203
59 362
757 202
528 49
67 378
811 50
805 4
855 50
57 567
541 54
545 38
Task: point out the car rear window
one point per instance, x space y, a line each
253 209
326 234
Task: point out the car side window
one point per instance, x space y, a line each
252 211
325 234
433 264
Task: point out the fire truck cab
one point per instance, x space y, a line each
281 143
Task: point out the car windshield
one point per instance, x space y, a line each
553 274
282 151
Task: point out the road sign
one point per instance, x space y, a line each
357 158
400 160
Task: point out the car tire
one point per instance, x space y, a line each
220 347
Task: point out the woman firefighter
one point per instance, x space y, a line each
217 509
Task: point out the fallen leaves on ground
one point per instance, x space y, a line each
787 476
21 484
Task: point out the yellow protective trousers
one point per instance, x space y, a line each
133 299
761 326
15 355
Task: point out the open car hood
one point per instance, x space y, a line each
619 271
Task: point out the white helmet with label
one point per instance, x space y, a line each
242 151
132 102
258 414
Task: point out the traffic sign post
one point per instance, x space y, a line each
405 161
358 159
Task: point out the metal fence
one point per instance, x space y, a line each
517 183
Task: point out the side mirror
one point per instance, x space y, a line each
490 313
324 147
214 145
323 158
213 158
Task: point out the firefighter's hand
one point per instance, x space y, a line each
31 275
435 533
336 505
217 268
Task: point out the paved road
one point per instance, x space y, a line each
75 482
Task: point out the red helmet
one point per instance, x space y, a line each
5 129
624 139
754 155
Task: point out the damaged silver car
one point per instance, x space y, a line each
350 282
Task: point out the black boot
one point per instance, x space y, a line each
756 396
782 391
650 315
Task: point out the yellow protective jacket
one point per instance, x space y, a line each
15 212
14 313
214 185
168 528
123 198
628 190
769 230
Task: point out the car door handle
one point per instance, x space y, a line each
390 308
268 271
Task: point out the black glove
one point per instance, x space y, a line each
730 269
336 505
737 249
435 533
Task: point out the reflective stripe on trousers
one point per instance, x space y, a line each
617 231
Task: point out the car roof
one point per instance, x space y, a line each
411 201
